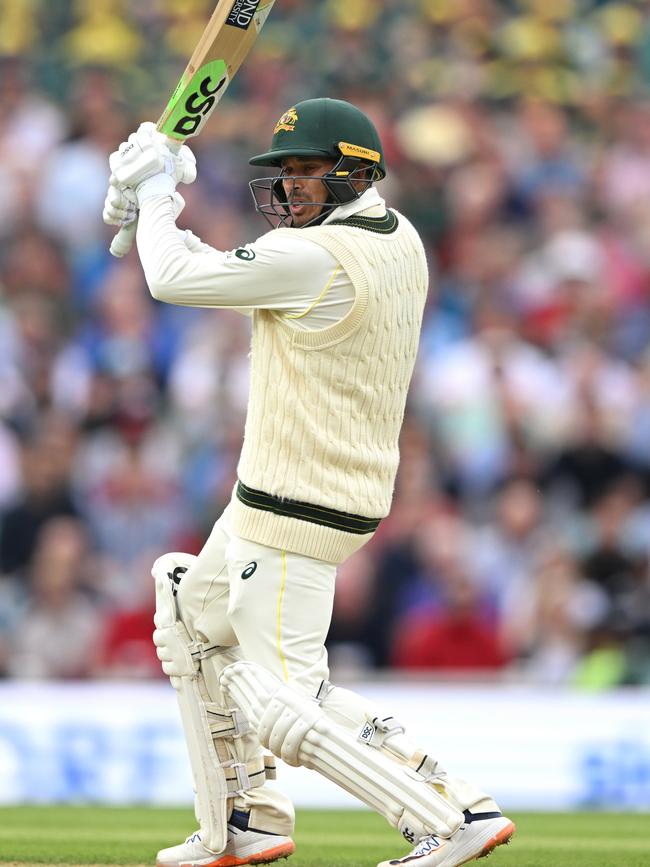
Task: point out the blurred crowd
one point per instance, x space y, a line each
517 135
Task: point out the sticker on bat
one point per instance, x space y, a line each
192 101
242 13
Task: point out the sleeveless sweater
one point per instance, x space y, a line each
320 451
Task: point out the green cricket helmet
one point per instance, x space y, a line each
326 128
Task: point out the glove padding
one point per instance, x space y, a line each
147 153
173 649
121 205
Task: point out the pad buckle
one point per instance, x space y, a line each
226 722
425 767
242 776
243 780
202 651
323 691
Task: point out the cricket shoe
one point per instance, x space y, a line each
479 835
245 846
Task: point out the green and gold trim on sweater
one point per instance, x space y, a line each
385 225
333 518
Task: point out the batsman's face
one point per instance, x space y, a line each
303 188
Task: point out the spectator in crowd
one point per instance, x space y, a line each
46 491
462 636
547 622
56 636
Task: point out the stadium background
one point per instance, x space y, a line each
517 136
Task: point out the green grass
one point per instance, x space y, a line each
96 835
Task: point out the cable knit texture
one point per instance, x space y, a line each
326 407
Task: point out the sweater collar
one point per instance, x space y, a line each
370 204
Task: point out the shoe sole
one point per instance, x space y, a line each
502 838
265 857
275 854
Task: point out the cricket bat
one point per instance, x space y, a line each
222 48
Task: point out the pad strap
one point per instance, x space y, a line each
226 723
243 776
201 651
424 765
270 767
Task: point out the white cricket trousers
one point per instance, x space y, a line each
277 606
271 607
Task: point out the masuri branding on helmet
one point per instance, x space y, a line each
352 150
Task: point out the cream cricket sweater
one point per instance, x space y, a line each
325 409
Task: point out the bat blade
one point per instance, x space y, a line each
224 44
227 39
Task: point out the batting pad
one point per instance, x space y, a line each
295 728
209 729
383 732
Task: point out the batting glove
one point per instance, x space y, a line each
174 650
146 164
121 205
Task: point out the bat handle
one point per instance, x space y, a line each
123 240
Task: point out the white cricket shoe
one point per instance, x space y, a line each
245 846
476 838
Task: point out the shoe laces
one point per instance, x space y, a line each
428 845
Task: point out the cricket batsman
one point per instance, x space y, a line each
336 292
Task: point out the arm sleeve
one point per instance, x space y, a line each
275 272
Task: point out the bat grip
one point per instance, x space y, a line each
123 240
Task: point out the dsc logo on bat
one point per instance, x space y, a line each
199 105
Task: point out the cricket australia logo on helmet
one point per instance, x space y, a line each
242 13
287 122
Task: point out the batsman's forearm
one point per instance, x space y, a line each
197 275
173 273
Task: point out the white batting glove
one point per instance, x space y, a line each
120 205
173 649
146 155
